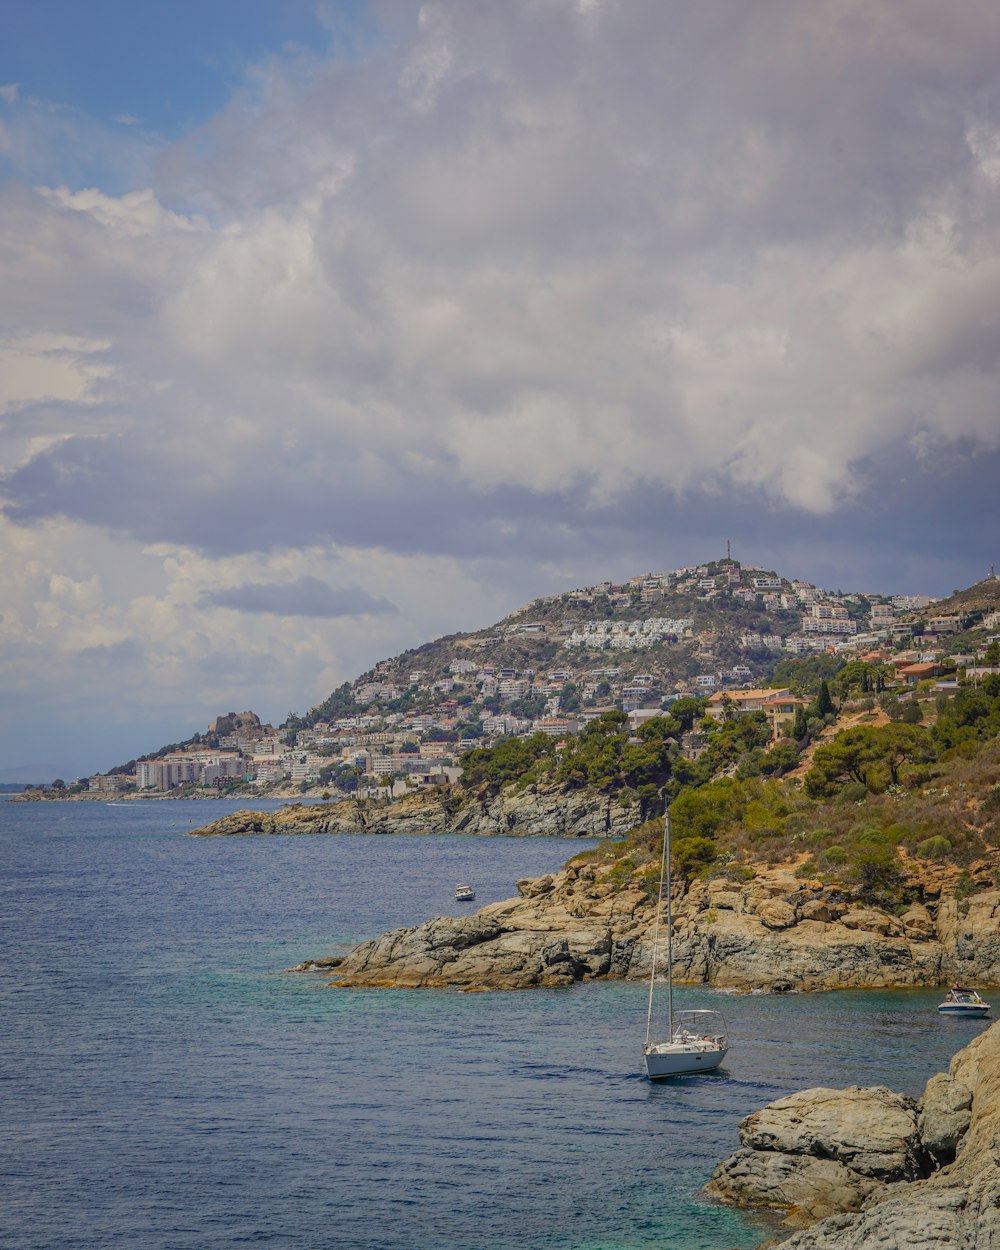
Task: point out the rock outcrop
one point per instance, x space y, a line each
867 1167
532 812
773 933
822 1151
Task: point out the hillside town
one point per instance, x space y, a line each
716 631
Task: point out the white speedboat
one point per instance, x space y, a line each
960 1001
464 894
692 1041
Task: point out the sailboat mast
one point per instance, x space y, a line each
664 867
670 930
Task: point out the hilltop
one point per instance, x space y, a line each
616 643
973 602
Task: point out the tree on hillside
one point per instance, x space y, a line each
686 711
799 728
873 755
973 715
803 676
509 760
859 678
823 704
701 812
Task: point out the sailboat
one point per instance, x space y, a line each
695 1041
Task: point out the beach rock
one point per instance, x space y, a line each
918 923
905 1221
502 946
805 1188
728 900
754 946
532 887
869 920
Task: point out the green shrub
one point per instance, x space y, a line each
879 875
835 855
623 871
967 885
852 792
872 835
690 856
936 847
812 837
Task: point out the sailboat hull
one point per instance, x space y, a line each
669 1059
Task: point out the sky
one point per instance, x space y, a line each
329 328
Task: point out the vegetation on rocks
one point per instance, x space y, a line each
879 809
776 887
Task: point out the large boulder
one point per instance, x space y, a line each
775 913
873 1132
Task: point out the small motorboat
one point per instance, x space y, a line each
464 894
961 1001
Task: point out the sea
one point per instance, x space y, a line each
167 1084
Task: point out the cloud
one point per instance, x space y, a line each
308 596
483 260
127 651
507 297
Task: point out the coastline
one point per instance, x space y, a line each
533 812
196 793
777 933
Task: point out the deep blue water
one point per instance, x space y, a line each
165 1085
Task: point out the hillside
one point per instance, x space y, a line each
980 599
889 880
558 662
623 644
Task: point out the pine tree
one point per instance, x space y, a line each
824 703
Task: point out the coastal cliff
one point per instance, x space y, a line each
776 932
858 1168
536 811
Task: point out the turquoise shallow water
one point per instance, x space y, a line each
164 1084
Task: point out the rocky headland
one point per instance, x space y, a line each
535 811
861 1168
776 932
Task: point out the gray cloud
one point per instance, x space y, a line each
308 596
518 262
116 653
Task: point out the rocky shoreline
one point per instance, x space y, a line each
533 812
774 933
859 1168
